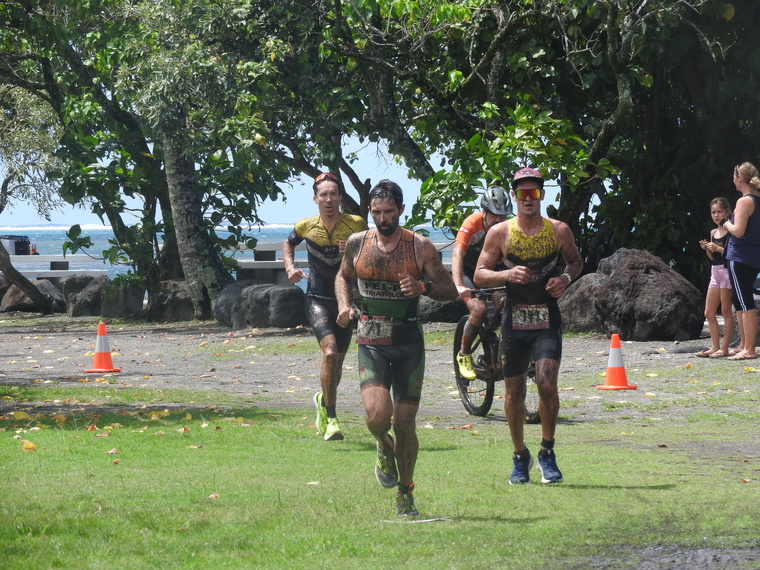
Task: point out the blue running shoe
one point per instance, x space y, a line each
522 461
547 465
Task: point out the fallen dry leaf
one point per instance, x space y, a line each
92 427
114 451
213 496
28 445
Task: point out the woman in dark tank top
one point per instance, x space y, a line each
743 255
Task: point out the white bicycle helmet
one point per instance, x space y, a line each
496 200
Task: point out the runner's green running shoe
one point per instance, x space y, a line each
385 468
464 361
333 433
321 421
405 503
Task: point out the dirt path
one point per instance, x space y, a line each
280 368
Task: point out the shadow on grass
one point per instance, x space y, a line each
574 487
353 446
23 409
500 519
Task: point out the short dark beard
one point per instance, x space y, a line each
387 232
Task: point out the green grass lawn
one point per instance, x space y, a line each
218 487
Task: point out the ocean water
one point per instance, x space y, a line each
48 240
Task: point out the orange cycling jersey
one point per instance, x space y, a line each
471 237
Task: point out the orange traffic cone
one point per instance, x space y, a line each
616 379
102 361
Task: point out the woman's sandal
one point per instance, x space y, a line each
742 357
718 354
705 353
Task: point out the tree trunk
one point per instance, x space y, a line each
204 273
44 302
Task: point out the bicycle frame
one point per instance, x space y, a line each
490 337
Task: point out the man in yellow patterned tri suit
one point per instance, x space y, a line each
393 267
325 236
530 246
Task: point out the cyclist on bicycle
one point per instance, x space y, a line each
531 246
495 208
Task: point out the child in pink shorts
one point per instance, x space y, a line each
719 290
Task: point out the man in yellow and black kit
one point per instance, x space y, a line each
530 246
325 236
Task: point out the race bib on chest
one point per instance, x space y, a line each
530 317
374 330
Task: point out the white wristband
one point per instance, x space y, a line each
569 279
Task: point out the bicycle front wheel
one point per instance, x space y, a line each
477 395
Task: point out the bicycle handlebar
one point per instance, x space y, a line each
486 292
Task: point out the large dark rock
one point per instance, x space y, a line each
577 306
432 311
173 303
84 294
252 304
122 299
226 300
16 300
637 296
4 285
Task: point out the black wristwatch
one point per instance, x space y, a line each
723 221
